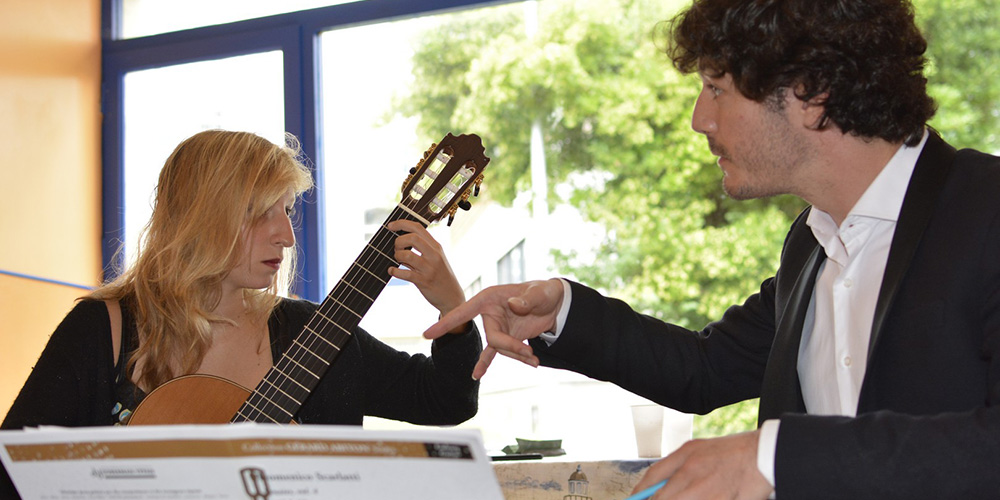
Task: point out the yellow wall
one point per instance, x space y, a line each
50 175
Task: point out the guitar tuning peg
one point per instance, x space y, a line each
413 170
408 179
478 182
464 205
451 213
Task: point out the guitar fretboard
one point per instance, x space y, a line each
289 382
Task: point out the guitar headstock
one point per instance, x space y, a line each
445 177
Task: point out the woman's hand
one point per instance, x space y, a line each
423 263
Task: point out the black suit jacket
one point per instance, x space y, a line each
928 424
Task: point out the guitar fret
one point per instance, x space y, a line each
294 394
289 396
382 250
306 349
319 311
342 305
303 367
383 254
251 405
296 382
365 269
276 405
358 290
314 332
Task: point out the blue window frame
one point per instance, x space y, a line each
296 35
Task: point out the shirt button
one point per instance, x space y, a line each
847 361
848 283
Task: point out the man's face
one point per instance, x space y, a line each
759 148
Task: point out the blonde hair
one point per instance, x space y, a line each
212 189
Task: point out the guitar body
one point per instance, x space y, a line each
191 399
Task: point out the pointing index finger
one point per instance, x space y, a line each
457 316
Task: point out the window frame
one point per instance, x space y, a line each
297 35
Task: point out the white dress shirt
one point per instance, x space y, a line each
833 353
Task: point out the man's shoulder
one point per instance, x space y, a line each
977 158
974 172
963 158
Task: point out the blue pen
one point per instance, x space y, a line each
648 492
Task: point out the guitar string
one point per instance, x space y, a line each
290 372
369 301
364 263
269 389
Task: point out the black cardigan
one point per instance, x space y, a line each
73 382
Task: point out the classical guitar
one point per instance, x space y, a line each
439 185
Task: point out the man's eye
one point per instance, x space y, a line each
715 90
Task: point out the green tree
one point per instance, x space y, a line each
616 122
963 39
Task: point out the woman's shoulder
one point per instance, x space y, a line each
294 308
88 305
287 320
86 313
85 328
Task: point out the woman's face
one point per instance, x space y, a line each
263 246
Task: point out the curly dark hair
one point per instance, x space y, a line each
862 59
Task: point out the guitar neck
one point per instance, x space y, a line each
437 187
287 384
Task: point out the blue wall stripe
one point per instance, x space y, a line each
44 280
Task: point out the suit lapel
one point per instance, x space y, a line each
928 177
781 391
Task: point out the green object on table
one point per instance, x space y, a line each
546 447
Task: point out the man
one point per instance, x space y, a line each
874 348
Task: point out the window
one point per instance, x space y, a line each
510 268
293 35
152 17
473 288
328 75
165 105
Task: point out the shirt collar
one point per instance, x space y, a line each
884 197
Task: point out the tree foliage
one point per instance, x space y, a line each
616 121
963 39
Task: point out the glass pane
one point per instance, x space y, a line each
367 155
164 106
367 160
151 17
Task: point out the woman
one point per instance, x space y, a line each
202 298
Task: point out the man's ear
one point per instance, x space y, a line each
812 111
